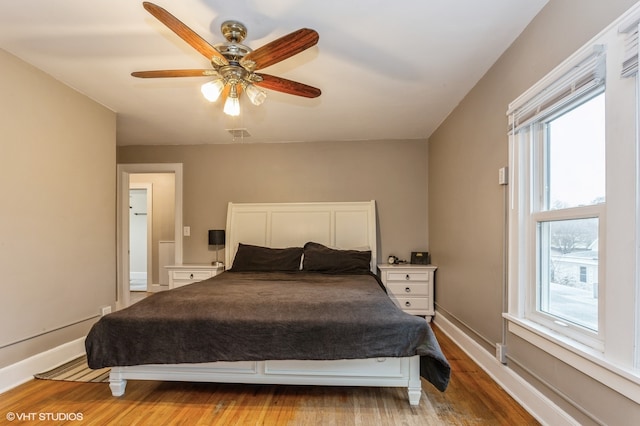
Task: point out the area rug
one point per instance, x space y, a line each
76 370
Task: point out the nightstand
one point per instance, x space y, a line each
180 275
410 287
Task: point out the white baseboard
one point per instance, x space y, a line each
137 287
538 405
16 374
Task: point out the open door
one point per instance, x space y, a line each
140 236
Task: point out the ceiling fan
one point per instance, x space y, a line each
234 64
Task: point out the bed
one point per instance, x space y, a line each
300 305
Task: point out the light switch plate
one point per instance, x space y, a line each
502 176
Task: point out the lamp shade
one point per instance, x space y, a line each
232 106
216 237
212 90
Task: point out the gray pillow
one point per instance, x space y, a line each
320 258
251 258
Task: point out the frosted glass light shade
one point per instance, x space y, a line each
256 96
211 90
232 106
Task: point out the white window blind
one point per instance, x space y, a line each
630 62
629 30
582 74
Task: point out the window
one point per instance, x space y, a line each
583 275
569 180
574 215
575 156
561 135
563 293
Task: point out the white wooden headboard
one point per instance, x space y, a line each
342 225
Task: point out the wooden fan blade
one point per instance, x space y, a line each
184 32
287 86
174 73
282 48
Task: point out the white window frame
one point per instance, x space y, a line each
540 214
613 357
590 338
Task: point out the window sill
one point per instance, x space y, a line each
581 357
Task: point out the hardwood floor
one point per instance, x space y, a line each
471 399
136 296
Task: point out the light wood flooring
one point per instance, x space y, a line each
471 399
136 296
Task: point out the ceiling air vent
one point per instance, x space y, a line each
239 133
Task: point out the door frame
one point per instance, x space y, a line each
122 221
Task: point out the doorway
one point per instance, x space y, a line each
127 173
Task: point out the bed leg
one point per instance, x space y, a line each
414 396
414 389
117 384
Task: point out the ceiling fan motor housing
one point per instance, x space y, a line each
233 31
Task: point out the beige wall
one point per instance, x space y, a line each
466 203
393 173
57 224
163 197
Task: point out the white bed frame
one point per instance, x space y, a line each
345 225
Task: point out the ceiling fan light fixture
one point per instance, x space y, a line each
256 96
232 104
212 89
232 107
234 64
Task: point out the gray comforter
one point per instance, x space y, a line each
244 316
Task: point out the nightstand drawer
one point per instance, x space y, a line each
408 276
412 303
191 275
409 289
180 275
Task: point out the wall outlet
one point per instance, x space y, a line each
501 353
105 310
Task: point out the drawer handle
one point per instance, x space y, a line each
407 277
190 275
407 304
407 289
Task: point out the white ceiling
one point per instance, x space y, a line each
387 69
